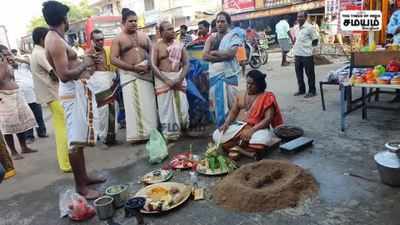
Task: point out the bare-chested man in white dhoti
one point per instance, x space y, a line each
170 65
130 53
75 94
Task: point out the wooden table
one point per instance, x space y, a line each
349 105
365 60
371 59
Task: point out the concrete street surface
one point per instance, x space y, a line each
32 197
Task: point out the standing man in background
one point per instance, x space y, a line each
130 53
170 64
23 77
306 39
203 33
102 81
184 37
220 50
285 39
46 89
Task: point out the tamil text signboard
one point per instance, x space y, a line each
360 20
235 6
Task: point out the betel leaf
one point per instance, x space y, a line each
222 163
212 163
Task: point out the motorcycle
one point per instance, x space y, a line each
271 39
257 54
263 45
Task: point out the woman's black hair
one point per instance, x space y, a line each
54 13
127 13
213 23
226 15
38 34
259 79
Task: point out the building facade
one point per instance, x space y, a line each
4 36
178 12
264 14
151 12
107 7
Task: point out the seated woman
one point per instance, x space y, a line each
251 117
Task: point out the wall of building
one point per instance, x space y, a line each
3 36
107 7
177 11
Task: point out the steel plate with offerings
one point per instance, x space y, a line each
163 197
157 176
215 163
182 161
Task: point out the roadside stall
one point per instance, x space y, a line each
374 68
384 75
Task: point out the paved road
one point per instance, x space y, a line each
32 197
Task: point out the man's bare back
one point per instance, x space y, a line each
53 41
64 59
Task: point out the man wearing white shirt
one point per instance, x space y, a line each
285 39
23 78
306 39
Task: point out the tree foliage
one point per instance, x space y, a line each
77 12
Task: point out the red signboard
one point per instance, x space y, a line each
234 6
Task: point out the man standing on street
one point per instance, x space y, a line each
170 64
285 39
306 39
75 93
203 33
130 52
184 37
46 89
220 50
102 81
23 77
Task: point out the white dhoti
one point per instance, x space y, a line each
140 105
260 137
80 114
101 82
173 107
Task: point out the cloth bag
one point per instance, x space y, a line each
156 147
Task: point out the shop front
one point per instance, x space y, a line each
266 13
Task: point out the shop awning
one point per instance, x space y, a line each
299 7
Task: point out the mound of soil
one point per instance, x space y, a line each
264 186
